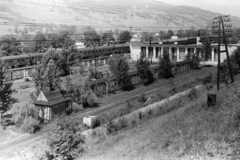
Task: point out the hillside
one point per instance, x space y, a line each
193 131
137 15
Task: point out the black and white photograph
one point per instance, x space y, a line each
119 79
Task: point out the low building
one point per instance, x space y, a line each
178 49
50 104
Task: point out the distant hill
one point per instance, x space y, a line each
136 15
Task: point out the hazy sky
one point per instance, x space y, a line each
231 7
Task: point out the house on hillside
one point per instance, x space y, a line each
50 104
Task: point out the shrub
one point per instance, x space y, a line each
173 91
130 105
76 107
208 79
27 79
30 125
142 98
111 127
192 94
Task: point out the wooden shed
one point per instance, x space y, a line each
50 104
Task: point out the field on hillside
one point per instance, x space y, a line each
103 14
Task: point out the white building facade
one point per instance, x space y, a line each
177 52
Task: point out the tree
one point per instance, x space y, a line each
124 37
180 33
65 140
170 33
119 68
51 76
67 58
234 62
165 65
145 36
194 59
5 89
40 43
91 36
78 88
22 111
107 36
55 55
61 39
10 46
38 78
207 49
143 68
236 55
162 35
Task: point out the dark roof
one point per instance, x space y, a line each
53 98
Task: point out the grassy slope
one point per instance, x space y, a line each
193 131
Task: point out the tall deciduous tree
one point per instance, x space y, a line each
91 36
40 43
124 37
10 46
61 39
5 89
78 88
170 33
145 36
51 76
67 58
165 65
143 68
119 68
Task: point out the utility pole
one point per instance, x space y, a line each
218 25
151 48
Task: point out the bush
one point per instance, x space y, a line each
76 107
173 91
130 105
113 127
142 98
30 125
192 94
208 79
27 80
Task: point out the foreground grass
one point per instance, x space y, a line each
193 131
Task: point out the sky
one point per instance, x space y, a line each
231 7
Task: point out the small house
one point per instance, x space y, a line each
50 104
